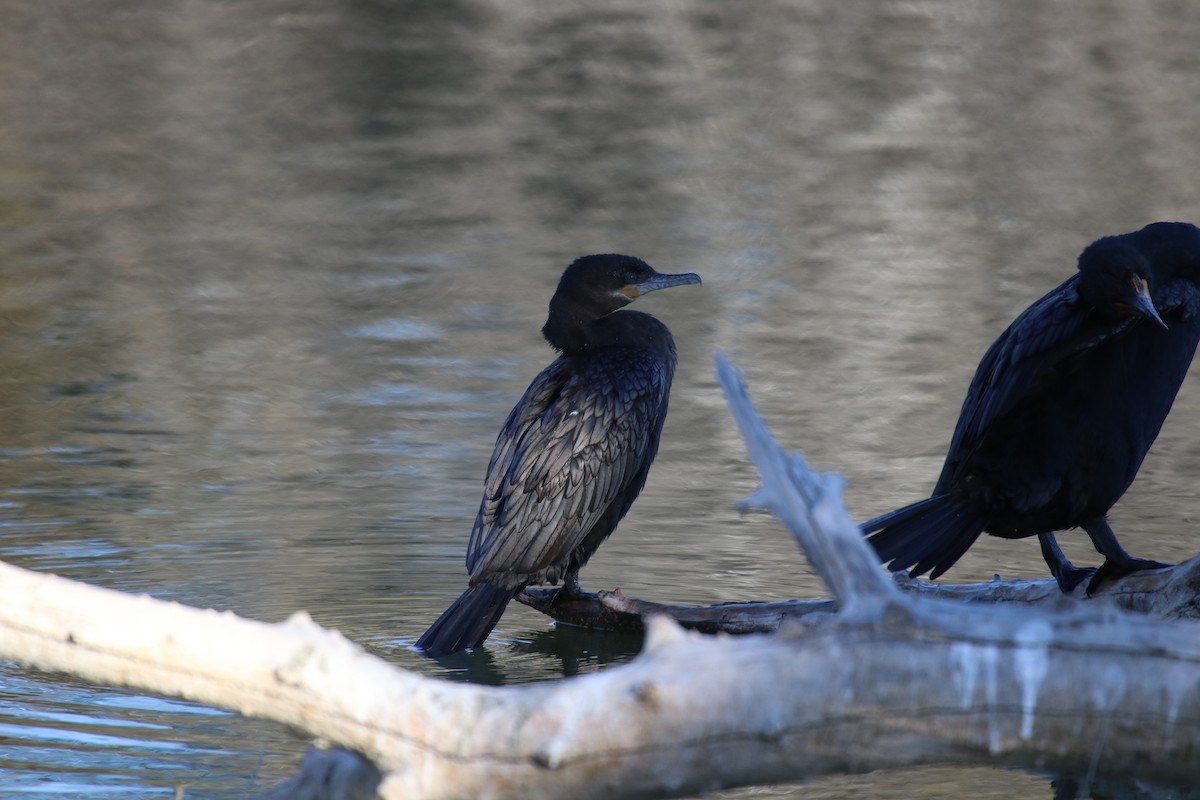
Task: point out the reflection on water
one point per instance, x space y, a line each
62 739
273 276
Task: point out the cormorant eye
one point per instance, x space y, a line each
631 277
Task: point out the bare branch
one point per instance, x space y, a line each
906 679
809 504
613 611
1170 594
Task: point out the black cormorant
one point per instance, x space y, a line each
574 453
1062 409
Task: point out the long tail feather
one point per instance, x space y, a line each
467 622
928 536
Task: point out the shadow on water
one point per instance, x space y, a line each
273 277
562 651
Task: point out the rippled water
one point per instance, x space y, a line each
273 274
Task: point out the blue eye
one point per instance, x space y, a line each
631 277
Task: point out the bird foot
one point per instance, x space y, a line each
570 590
1070 576
1111 571
1067 575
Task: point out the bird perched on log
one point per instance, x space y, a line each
1062 410
574 453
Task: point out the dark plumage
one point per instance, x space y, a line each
1062 410
574 453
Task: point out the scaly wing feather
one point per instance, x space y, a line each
1037 345
567 452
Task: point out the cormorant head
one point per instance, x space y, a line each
599 285
594 287
1172 248
1115 277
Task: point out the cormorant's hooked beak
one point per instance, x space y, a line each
659 281
1142 305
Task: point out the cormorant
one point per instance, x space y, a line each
1062 409
574 452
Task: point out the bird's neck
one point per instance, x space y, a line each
570 328
572 331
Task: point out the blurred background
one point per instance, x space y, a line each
272 274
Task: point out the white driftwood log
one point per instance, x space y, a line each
892 679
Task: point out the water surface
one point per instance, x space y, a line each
273 275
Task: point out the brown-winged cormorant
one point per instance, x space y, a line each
574 452
1062 409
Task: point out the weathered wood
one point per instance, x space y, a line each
809 504
329 775
613 611
892 679
1169 593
